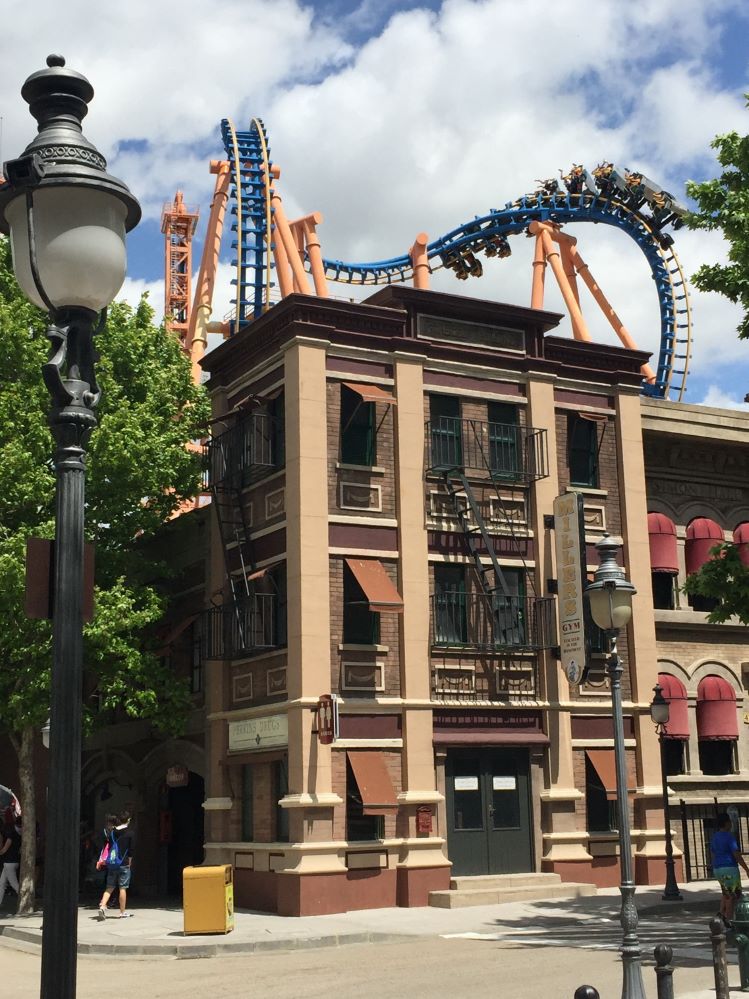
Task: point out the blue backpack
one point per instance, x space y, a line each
114 858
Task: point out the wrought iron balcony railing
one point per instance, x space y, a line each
508 452
251 449
245 628
498 624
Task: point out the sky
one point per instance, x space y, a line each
393 117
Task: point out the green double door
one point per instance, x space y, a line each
488 811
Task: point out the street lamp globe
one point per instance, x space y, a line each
65 215
610 594
659 708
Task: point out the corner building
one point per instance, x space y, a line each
383 475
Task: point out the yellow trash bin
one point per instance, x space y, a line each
208 899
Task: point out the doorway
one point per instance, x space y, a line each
184 830
488 811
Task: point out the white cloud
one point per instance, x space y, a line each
719 399
439 117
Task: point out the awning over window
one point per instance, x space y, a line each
678 713
662 535
374 783
378 588
703 534
741 537
603 762
716 709
372 393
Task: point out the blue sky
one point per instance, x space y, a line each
396 117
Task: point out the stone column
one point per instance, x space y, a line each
422 866
564 844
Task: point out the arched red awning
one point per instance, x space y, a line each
703 535
662 535
741 537
716 709
678 716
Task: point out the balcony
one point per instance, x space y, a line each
246 628
508 452
246 452
498 625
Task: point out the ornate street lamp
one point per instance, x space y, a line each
610 595
659 714
67 219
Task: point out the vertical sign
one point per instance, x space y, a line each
327 719
569 542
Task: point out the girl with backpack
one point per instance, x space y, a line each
116 857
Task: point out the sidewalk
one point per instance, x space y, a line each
589 923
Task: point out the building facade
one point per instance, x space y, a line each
383 477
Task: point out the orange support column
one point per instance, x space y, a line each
579 327
420 261
539 274
314 253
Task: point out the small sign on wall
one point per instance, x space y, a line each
424 819
177 776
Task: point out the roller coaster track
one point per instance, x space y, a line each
609 196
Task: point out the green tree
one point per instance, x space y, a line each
723 206
139 471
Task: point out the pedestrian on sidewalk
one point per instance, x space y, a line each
116 858
10 858
726 859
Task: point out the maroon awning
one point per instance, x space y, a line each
603 762
741 537
703 535
678 714
716 709
662 535
372 393
378 588
373 780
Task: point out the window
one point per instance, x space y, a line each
248 833
663 590
358 825
358 429
504 439
603 814
450 613
582 446
361 626
280 790
196 671
716 757
700 603
445 426
673 756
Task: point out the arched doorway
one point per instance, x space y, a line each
181 831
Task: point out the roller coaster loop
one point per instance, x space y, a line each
262 238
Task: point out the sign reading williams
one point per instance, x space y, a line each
258 733
569 543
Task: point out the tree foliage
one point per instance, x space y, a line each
723 205
725 579
138 472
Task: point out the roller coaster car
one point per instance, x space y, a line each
547 187
455 262
497 246
575 179
475 267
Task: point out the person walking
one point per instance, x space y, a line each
10 858
117 858
726 860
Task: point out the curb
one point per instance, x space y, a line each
187 951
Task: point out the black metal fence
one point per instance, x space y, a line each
493 624
510 452
698 823
245 452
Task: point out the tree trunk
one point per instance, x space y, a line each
25 751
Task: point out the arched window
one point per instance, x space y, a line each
664 562
717 725
741 538
702 536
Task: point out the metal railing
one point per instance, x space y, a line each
698 823
509 452
496 624
242 629
244 453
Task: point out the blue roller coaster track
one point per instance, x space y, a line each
621 198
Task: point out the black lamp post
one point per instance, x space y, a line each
610 595
67 219
659 714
